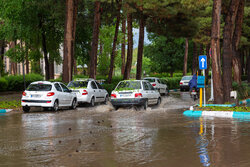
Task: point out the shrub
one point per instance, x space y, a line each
15 82
3 84
56 80
173 82
109 87
244 77
243 90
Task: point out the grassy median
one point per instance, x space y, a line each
217 108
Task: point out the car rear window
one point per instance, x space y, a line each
78 84
150 79
186 78
39 87
129 85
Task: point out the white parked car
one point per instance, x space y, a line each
48 95
88 91
158 84
134 92
184 82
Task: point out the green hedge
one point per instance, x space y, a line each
109 87
15 82
3 84
244 77
173 82
243 90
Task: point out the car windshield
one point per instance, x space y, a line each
39 87
129 85
78 84
150 79
186 78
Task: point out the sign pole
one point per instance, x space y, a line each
204 89
200 97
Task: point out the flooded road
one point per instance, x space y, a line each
101 137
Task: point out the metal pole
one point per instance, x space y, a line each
200 97
204 89
212 88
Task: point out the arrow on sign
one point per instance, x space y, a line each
203 62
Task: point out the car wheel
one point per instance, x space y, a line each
145 105
116 107
26 109
74 104
92 102
56 106
181 89
106 100
159 101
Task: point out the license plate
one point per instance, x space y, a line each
193 93
35 96
124 95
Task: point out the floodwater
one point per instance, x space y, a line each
101 137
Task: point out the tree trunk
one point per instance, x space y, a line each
45 53
195 59
123 46
185 58
69 39
201 52
140 48
208 60
27 65
215 46
130 48
248 68
112 57
51 69
74 62
2 44
93 53
227 49
75 66
237 68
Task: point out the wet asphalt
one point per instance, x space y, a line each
103 137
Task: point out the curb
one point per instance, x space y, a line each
246 102
5 110
218 105
224 114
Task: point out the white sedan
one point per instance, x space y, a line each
158 84
48 95
88 91
134 92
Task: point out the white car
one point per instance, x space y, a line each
158 84
88 91
184 82
134 92
48 95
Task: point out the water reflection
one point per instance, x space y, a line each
202 143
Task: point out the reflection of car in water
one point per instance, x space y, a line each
134 92
88 91
184 83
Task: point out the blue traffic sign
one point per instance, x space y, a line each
200 81
203 62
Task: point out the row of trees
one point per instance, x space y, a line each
95 32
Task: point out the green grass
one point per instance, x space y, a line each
14 104
216 108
